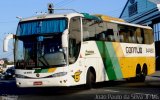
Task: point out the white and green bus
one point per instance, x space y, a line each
74 49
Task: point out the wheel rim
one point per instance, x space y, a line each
144 72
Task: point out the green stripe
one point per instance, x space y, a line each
110 60
106 60
44 71
114 60
41 71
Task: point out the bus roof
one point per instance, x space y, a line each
47 16
93 17
109 18
129 24
120 21
97 17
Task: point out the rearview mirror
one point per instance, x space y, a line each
6 41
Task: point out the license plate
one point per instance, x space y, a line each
37 83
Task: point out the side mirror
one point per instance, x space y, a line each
6 41
65 39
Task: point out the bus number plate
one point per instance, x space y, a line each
37 83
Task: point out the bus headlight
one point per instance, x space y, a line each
59 74
20 76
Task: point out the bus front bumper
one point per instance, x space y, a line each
47 82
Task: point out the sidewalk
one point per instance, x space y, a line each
156 74
154 77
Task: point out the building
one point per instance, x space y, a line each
145 12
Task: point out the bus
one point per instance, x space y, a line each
78 48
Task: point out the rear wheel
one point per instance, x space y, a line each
143 73
137 77
91 79
141 76
138 73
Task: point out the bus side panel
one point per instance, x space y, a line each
125 63
89 57
130 55
77 73
92 57
151 65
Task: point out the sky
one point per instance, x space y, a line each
10 9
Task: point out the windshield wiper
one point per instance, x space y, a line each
44 61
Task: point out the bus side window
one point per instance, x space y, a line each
132 38
72 50
142 36
85 34
74 39
139 39
139 36
102 36
110 35
121 36
148 36
88 30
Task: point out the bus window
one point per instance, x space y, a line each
86 29
112 32
92 30
127 34
148 35
121 35
100 31
139 36
86 33
132 37
74 39
124 35
110 35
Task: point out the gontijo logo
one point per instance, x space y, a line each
76 76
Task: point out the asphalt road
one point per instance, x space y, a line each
121 89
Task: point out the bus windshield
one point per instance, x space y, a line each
39 52
40 47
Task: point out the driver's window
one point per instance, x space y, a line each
74 39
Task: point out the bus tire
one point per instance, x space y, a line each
143 73
91 78
138 73
137 77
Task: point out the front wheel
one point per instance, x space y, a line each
90 82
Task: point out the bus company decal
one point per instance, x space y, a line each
76 76
49 70
137 50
